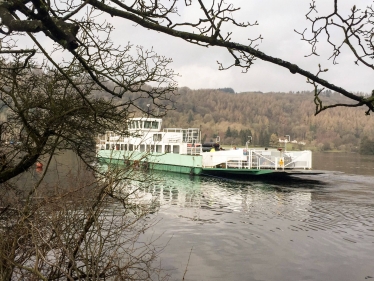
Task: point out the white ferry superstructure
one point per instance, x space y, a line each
180 150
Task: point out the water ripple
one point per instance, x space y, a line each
302 233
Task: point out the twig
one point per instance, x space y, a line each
187 263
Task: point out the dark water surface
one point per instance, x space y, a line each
308 230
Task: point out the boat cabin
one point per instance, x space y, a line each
146 135
181 149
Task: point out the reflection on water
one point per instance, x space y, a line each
318 228
266 231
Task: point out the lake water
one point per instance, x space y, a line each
319 228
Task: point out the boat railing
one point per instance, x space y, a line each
238 163
224 158
173 130
298 159
258 159
190 135
194 150
273 159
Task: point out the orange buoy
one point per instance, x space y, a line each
39 165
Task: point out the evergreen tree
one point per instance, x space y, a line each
261 140
227 90
234 133
228 133
244 136
190 118
266 139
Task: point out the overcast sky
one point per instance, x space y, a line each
198 68
277 19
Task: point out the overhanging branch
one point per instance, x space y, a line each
213 41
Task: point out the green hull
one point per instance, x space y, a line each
170 162
213 172
157 166
184 164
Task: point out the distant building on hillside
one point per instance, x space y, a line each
283 140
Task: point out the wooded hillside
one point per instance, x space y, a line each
236 116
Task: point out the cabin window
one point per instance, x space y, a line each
142 148
125 146
157 137
167 148
147 124
131 147
176 149
154 125
121 146
135 124
159 148
117 146
107 146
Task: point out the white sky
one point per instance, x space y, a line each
198 68
277 20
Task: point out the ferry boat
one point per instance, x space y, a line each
179 150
